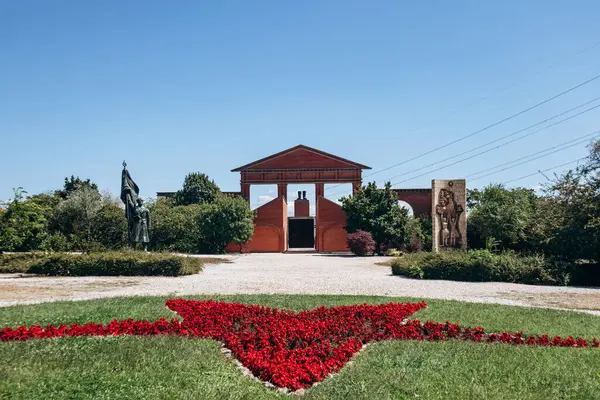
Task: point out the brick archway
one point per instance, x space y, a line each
418 199
298 165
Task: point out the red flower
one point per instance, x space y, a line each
292 350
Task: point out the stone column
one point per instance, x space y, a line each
449 214
355 187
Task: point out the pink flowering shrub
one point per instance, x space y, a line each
361 243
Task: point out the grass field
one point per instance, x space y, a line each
174 367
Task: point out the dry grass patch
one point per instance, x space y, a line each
27 291
572 301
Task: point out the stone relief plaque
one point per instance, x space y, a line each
449 228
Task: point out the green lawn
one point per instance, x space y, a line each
174 367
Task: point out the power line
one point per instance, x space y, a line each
487 127
496 147
544 170
584 50
537 158
578 140
494 124
509 135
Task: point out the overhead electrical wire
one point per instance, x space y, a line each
544 170
578 140
484 152
510 135
538 157
584 50
510 117
556 96
494 141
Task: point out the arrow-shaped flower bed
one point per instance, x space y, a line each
292 350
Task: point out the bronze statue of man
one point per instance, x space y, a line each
141 224
138 216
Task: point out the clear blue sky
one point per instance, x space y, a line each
175 87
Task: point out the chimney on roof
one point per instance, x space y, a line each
301 206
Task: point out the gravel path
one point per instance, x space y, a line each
293 274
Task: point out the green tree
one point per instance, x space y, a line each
570 219
23 225
377 211
503 215
175 228
73 184
419 230
47 200
227 220
51 241
74 216
109 226
197 189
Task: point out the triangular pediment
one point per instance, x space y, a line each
301 157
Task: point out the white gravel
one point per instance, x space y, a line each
292 274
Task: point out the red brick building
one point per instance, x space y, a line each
276 232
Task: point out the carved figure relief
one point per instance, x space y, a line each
449 211
445 232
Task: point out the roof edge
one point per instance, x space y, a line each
297 147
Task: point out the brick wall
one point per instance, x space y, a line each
270 229
331 219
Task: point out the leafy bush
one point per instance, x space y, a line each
74 217
175 228
482 266
569 217
19 262
24 224
419 230
361 243
201 228
393 253
227 220
585 274
377 211
56 242
507 215
414 271
109 227
116 264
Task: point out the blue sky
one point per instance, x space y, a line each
208 86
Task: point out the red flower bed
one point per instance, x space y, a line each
292 350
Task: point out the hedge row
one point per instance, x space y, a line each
127 263
482 266
19 262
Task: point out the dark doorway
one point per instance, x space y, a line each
301 233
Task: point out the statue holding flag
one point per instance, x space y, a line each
138 216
